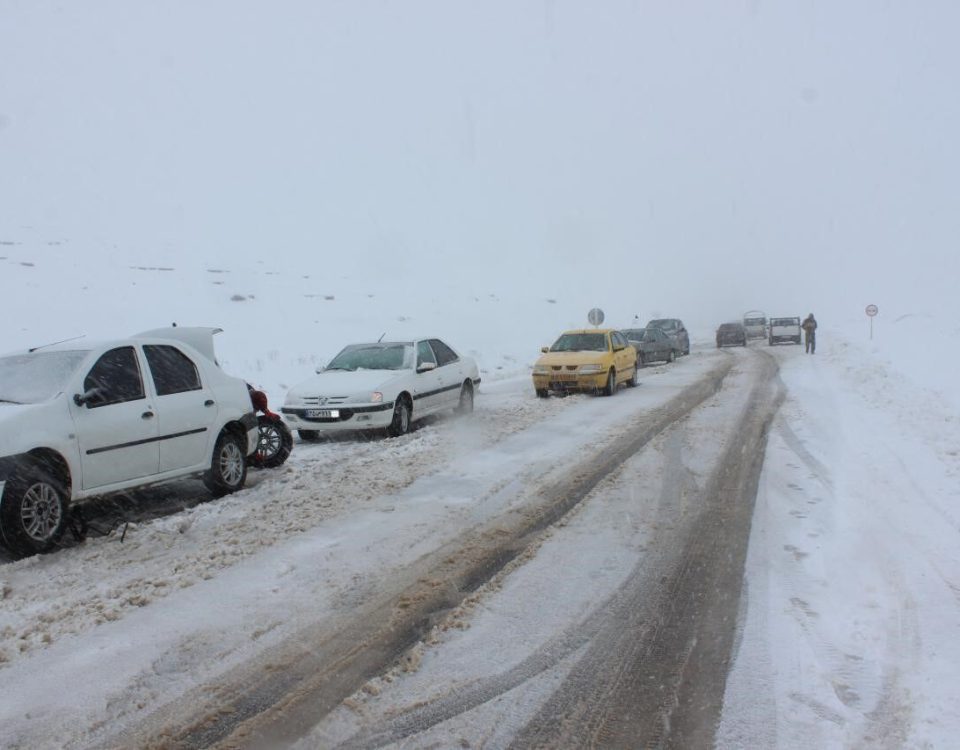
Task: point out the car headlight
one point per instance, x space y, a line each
376 397
591 368
541 370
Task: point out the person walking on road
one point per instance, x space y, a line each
810 329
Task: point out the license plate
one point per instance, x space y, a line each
322 414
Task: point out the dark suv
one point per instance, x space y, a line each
675 329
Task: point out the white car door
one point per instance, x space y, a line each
450 368
116 424
427 391
186 408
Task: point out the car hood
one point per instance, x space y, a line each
343 383
10 413
571 358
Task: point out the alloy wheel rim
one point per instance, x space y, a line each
40 511
231 464
269 444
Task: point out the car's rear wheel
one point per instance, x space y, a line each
308 436
635 377
400 425
542 393
611 387
228 466
465 406
33 511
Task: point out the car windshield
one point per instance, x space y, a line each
374 357
37 376
663 325
634 334
580 342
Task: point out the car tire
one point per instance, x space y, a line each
611 387
308 436
671 356
635 378
465 405
228 466
274 444
33 511
400 424
543 393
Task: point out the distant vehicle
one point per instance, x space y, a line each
652 345
675 329
755 321
382 386
784 329
593 360
731 334
77 421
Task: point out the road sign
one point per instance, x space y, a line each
595 316
872 310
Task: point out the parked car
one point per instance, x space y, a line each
382 386
78 421
594 360
652 345
731 334
675 329
784 329
755 321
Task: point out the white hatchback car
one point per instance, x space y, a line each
83 420
385 385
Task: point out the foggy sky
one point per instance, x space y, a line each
705 157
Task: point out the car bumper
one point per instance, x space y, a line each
572 382
349 417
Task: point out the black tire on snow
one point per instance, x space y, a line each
228 466
611 387
402 417
465 405
33 511
543 393
635 378
274 446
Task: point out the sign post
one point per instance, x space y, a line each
872 311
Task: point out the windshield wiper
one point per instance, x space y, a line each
8 401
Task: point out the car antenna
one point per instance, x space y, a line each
44 346
381 337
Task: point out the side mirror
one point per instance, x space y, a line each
320 369
427 367
544 349
618 348
91 396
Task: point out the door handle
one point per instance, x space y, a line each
208 402
147 415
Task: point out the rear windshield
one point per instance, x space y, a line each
755 321
785 322
666 324
580 342
38 376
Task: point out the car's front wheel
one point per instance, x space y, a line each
33 511
635 378
400 425
611 387
228 466
672 356
543 393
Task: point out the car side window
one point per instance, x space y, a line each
116 375
619 340
172 370
445 355
425 353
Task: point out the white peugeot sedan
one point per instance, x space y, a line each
83 420
385 385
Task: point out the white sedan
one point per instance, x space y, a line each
80 420
385 385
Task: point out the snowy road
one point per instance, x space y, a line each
560 573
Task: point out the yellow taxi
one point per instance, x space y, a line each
594 360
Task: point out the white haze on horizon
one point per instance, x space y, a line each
688 160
